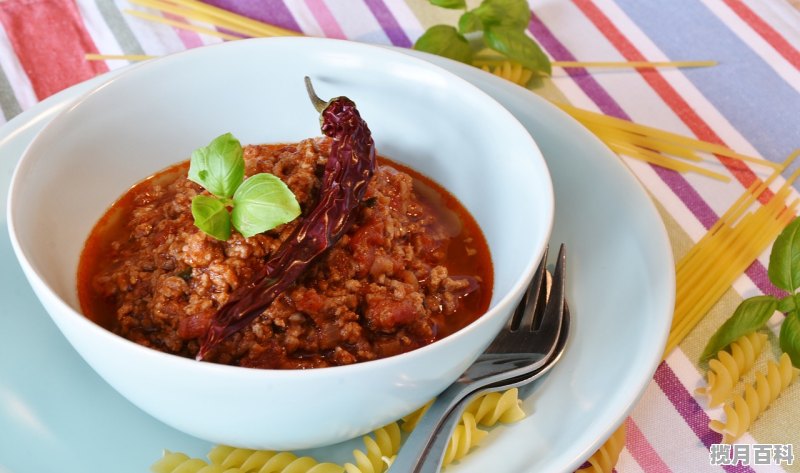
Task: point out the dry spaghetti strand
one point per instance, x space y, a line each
727 249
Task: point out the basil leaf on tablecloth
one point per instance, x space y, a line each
790 337
516 45
469 22
788 303
513 14
784 260
750 316
445 41
452 4
262 203
219 167
211 216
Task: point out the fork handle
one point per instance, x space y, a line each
431 455
435 418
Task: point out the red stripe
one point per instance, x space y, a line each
641 450
685 112
778 42
50 40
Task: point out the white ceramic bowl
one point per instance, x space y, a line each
156 113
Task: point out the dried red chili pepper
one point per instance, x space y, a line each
349 168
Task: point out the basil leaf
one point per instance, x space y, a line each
790 337
262 203
788 303
516 45
469 22
445 41
454 4
784 260
218 167
211 216
514 14
750 316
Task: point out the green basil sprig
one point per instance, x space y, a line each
259 203
502 25
753 313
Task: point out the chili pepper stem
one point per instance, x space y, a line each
318 103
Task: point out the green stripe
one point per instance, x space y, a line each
8 101
119 27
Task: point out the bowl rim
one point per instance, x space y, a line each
68 313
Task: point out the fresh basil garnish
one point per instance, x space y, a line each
211 216
469 22
784 260
451 4
218 167
790 337
445 41
503 24
260 203
750 316
515 14
517 46
753 313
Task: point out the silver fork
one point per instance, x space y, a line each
529 342
431 455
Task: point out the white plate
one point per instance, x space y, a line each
56 414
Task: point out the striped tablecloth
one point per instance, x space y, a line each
749 102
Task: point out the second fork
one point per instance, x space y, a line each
528 343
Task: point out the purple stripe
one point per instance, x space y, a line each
758 274
273 12
680 186
694 415
609 106
389 23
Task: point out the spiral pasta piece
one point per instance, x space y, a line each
410 421
743 411
466 435
725 370
512 71
380 448
605 458
495 407
268 461
176 462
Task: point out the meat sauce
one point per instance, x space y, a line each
414 268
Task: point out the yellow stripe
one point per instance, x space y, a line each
182 25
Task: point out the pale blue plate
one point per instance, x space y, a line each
56 414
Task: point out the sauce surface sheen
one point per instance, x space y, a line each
414 268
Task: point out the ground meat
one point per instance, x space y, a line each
384 289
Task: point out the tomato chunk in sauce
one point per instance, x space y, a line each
413 268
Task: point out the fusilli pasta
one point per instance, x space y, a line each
605 458
512 71
725 370
742 411
492 408
465 436
380 448
381 445
172 462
